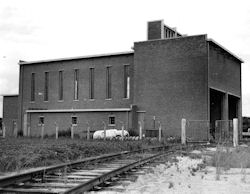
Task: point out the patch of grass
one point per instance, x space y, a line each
226 158
236 158
21 153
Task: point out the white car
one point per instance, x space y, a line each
110 133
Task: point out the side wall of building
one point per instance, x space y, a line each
10 114
225 77
99 64
171 81
224 71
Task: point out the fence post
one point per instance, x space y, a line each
216 131
208 131
28 131
235 132
159 131
140 130
4 130
154 118
122 131
42 131
104 128
72 131
56 130
183 131
88 131
15 129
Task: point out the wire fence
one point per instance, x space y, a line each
80 130
223 131
197 130
152 133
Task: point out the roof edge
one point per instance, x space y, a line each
81 110
173 38
75 58
229 52
9 95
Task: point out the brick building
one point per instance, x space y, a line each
165 78
10 114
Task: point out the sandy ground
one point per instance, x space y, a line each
184 176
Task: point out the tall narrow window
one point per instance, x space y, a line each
108 83
91 82
60 91
126 82
76 84
32 94
46 86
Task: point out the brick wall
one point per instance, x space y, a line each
63 120
225 76
100 64
155 30
10 113
171 81
224 71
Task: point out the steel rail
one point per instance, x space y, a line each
17 178
102 178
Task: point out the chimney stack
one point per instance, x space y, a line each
158 30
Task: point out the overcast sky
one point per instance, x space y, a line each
44 29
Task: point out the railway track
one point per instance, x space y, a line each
83 175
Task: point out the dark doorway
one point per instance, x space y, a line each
233 107
216 109
215 106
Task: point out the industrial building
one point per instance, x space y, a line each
168 77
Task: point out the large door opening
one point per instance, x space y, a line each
216 107
223 109
233 107
219 123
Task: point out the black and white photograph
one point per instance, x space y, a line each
135 97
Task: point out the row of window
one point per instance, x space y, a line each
74 120
126 84
169 33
